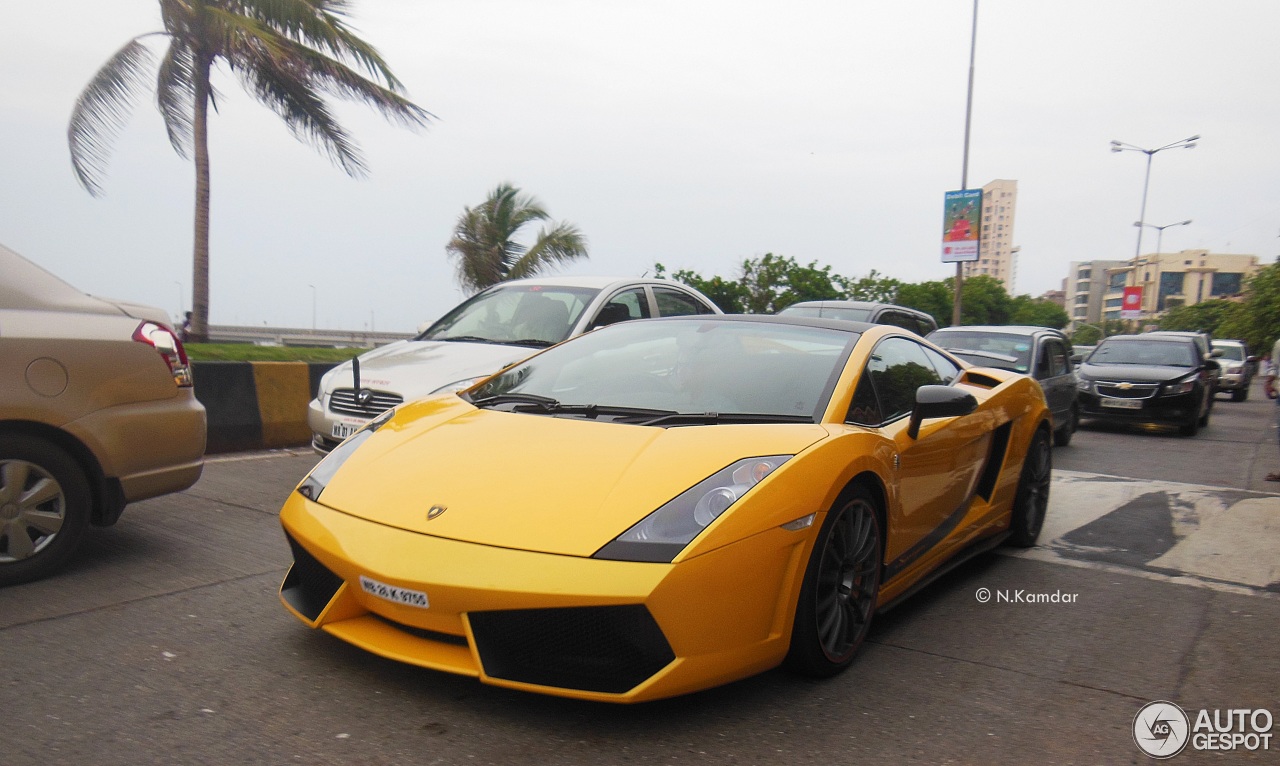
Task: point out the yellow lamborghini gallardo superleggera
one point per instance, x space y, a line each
666 505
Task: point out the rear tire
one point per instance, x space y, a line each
1032 498
840 588
1240 394
44 508
1062 436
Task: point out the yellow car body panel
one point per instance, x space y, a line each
515 535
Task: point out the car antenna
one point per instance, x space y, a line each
355 374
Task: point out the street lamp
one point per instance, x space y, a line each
1160 230
313 307
1120 146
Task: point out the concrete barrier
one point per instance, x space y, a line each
257 405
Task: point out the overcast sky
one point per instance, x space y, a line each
694 134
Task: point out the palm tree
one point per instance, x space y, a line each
288 54
484 240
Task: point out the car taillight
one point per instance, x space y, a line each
162 339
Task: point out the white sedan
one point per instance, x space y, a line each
489 330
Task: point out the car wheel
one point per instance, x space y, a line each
840 588
1062 436
1032 498
44 508
1190 429
1240 394
1208 409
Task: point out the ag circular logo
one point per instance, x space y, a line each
1161 729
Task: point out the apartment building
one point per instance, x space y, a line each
1085 287
1176 279
997 255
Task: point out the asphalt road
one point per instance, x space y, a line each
165 642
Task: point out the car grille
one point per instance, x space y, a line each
1121 390
343 402
595 648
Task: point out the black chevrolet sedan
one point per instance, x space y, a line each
1148 379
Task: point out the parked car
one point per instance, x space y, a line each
1041 352
918 322
664 506
1149 378
489 330
96 411
1238 368
1204 343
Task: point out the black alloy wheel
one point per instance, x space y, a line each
840 589
1032 498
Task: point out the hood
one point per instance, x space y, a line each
1137 373
533 482
415 368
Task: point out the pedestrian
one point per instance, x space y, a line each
184 333
1272 362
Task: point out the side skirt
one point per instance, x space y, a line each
973 549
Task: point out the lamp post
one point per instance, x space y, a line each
1160 230
1120 146
313 307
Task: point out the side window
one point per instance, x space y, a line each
947 369
898 319
674 303
1059 358
897 368
864 410
629 304
1044 361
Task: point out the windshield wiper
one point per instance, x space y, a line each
720 418
546 405
465 339
534 342
544 402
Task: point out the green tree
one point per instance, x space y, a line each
874 287
729 295
933 298
1206 316
985 301
484 242
1038 312
288 54
773 282
1257 321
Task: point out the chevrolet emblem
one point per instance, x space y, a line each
1125 386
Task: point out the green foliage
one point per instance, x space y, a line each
874 287
247 352
1257 320
985 301
484 244
730 296
933 298
1038 312
1206 316
774 282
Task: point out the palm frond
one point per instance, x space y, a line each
103 109
562 243
175 95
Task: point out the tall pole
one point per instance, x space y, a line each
313 307
964 168
1142 214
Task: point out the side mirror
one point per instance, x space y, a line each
1216 353
1250 360
1212 365
939 402
1076 359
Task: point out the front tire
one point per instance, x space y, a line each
840 588
1032 498
44 508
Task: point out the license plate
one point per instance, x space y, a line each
392 593
1123 404
343 430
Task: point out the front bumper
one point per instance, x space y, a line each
1180 408
1233 382
324 425
585 628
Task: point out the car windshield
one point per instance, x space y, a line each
1230 351
1149 352
1009 351
828 312
524 315
709 368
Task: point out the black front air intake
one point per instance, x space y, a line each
309 586
592 648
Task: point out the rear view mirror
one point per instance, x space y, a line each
939 402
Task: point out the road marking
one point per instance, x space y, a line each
1214 537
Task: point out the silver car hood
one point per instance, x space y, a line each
415 368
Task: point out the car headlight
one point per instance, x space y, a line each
320 476
1084 384
458 385
1184 386
661 535
1235 369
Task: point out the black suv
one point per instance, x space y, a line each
916 321
1151 378
1041 352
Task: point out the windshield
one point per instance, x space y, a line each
1148 352
828 312
1011 352
1230 351
526 315
683 366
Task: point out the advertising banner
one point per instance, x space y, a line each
1131 306
961 225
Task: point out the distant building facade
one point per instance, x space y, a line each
1185 278
997 256
1086 287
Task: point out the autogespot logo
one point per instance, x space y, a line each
1161 729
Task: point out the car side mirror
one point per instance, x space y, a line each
1252 360
1212 365
1076 359
939 402
1216 353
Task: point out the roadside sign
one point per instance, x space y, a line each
961 225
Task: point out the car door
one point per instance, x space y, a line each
936 471
1053 371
